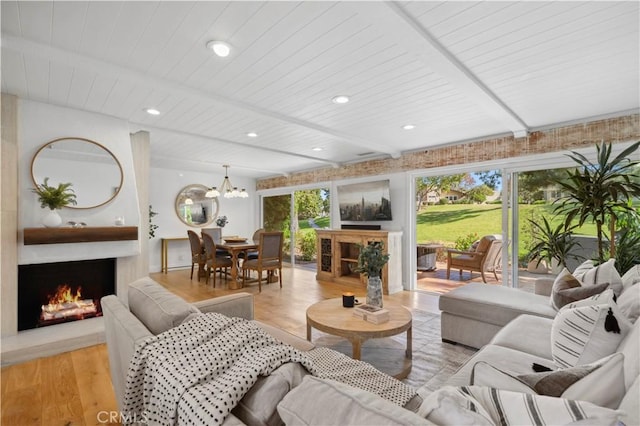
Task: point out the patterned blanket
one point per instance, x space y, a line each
197 372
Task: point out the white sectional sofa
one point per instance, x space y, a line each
289 395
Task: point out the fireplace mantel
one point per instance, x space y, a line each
79 235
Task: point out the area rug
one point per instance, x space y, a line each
433 361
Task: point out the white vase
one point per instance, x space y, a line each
374 291
52 219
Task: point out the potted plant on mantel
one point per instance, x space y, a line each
371 260
54 198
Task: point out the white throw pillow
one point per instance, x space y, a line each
583 383
631 277
587 333
629 303
589 274
471 405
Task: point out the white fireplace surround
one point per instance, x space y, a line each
37 124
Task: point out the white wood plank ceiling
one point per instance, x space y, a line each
455 70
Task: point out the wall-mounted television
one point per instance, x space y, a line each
365 201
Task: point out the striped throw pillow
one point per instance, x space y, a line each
589 275
587 333
485 405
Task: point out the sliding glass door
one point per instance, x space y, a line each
298 214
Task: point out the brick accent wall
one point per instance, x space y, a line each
619 129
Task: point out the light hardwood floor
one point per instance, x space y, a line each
74 388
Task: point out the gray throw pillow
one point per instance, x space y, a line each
567 289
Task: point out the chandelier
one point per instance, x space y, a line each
227 189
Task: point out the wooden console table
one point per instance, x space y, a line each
338 256
164 251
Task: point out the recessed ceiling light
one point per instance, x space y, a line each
220 48
408 127
340 99
317 148
252 134
152 111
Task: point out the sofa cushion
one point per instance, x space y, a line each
589 274
505 359
630 348
629 302
538 332
631 277
584 383
327 402
258 406
494 304
587 333
473 404
567 289
156 307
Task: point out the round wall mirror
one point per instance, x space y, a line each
193 208
94 172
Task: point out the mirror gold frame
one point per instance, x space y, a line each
200 211
54 160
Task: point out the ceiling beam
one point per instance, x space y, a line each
436 57
74 59
235 143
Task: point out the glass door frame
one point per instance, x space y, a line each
509 197
291 192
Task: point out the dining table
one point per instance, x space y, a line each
235 248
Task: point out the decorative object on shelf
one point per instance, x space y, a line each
119 220
54 198
74 224
371 260
152 226
222 221
227 189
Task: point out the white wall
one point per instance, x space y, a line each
40 123
166 184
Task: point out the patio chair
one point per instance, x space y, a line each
481 259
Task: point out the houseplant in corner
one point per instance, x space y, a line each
54 198
371 260
600 192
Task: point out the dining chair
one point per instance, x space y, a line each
213 260
269 257
216 234
197 251
253 254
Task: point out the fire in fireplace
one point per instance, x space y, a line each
53 293
64 305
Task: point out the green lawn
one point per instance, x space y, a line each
446 223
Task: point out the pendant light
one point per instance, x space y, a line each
227 189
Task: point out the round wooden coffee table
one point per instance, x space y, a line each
331 317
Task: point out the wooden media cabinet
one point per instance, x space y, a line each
338 257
